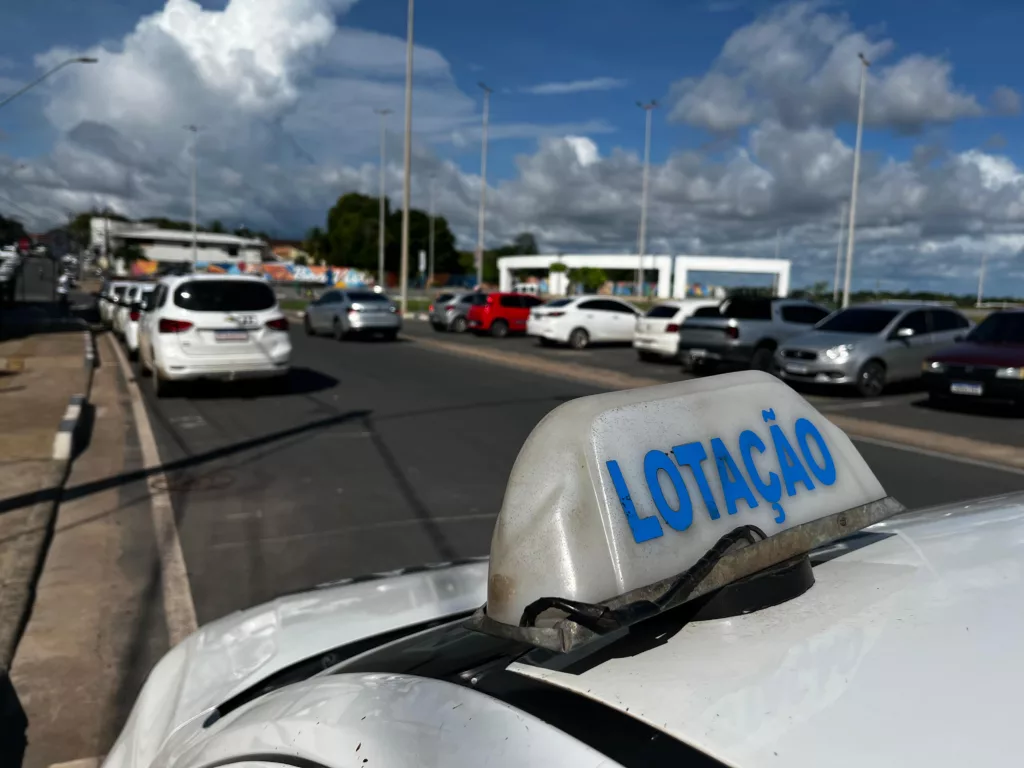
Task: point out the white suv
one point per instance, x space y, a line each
212 327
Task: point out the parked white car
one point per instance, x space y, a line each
109 298
223 327
657 333
583 320
133 310
119 314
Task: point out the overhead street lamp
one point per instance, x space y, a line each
380 225
483 188
38 80
641 246
407 164
856 180
195 153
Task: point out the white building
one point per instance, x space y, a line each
172 245
667 267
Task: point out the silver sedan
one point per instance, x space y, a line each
870 345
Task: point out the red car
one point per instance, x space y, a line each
501 314
988 364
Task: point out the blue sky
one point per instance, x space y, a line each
731 167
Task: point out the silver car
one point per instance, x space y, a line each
870 345
345 313
448 312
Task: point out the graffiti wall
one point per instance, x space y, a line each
338 277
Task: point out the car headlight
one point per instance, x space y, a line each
1016 372
839 354
933 366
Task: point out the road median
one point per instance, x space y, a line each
938 443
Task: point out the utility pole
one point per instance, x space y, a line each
856 181
195 150
981 278
648 108
407 164
483 189
381 221
839 254
430 245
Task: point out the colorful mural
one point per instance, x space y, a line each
338 277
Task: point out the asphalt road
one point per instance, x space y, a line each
904 404
384 455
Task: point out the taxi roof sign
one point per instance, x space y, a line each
614 497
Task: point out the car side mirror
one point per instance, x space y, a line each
904 333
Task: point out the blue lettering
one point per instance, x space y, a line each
805 429
770 491
678 519
793 471
734 487
692 455
643 528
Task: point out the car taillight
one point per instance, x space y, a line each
280 324
672 328
430 308
134 315
732 332
173 326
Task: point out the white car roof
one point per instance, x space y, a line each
876 664
172 280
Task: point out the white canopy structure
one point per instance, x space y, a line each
668 287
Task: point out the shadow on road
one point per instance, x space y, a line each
301 381
989 408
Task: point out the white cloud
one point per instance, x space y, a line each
798 64
1006 101
575 86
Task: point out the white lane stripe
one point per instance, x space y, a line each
937 454
179 610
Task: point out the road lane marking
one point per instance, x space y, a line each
995 454
938 455
179 610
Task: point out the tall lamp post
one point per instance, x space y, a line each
839 254
981 278
195 150
38 80
407 164
856 180
648 108
483 189
430 242
380 221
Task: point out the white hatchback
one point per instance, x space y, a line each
657 333
583 320
129 315
223 327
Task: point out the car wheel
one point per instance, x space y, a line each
133 355
499 329
702 367
438 327
579 339
459 325
339 332
763 359
307 325
871 379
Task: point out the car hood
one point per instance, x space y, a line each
822 340
972 353
234 653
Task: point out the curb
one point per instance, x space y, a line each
64 440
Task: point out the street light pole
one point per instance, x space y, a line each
407 164
38 80
483 189
648 108
380 221
195 151
839 254
430 246
981 278
856 181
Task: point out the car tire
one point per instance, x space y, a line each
439 327
702 367
459 325
579 339
499 329
307 325
133 355
871 379
763 359
338 331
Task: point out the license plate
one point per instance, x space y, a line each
965 388
798 369
231 335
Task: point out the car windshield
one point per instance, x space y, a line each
558 303
365 297
1000 329
858 320
119 291
443 297
224 296
662 310
706 312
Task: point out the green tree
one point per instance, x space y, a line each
301 261
11 230
589 278
558 267
216 226
129 252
